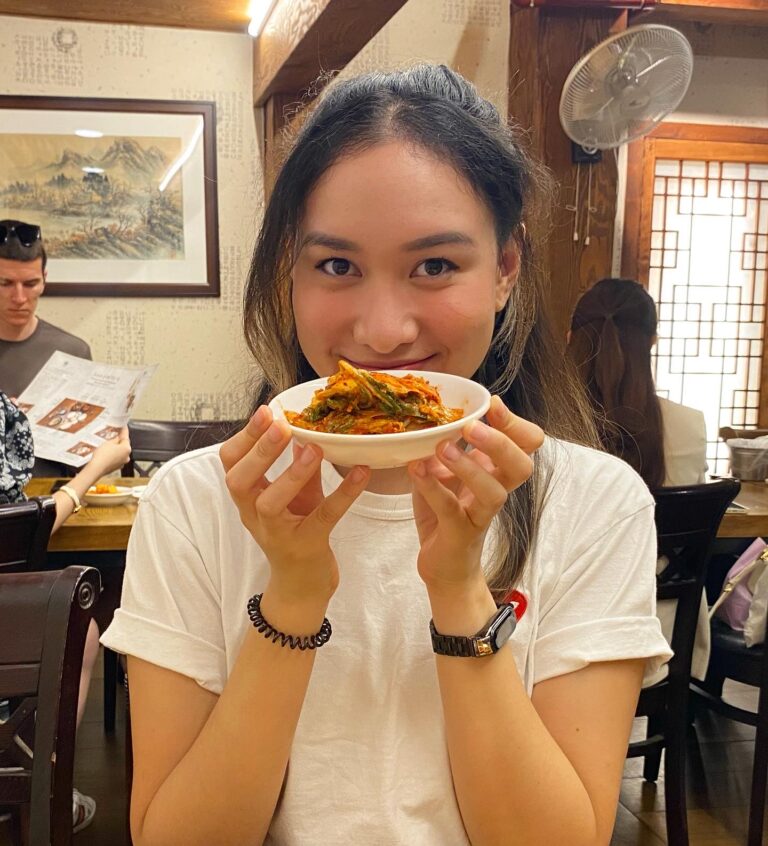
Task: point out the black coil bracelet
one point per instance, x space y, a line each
307 642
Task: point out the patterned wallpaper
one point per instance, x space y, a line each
471 36
204 368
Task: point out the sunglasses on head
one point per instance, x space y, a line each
25 233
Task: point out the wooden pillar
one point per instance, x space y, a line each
303 41
544 45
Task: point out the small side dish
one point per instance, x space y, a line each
403 416
108 494
363 402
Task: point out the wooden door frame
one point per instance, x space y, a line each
634 264
706 142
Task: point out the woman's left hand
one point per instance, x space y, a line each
457 494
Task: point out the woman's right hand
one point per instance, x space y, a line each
289 518
112 455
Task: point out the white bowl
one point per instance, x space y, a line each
393 450
122 496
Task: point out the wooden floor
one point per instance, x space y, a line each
720 762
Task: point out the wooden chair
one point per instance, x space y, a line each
732 659
25 528
726 432
43 620
153 442
687 519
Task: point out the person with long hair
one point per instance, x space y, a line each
322 654
613 331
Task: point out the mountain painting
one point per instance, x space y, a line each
96 198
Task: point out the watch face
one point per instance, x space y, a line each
502 631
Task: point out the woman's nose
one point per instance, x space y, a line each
385 322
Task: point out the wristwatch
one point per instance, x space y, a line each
489 640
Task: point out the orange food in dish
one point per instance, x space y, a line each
103 489
363 402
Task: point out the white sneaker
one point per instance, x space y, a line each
83 810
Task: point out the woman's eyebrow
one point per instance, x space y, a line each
320 239
437 239
331 242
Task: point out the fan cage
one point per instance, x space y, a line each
597 113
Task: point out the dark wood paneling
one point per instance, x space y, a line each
739 12
306 38
229 15
710 132
544 46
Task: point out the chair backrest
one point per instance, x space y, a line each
687 520
726 432
43 622
153 442
25 528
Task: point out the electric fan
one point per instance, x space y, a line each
625 85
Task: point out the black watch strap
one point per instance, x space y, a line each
456 645
487 641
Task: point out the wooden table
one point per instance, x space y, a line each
95 528
106 528
753 522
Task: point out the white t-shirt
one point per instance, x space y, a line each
685 444
369 762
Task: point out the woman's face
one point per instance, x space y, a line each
398 266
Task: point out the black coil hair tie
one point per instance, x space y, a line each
270 632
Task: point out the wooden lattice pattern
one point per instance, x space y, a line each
708 273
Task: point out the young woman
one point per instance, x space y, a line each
394 238
17 458
613 330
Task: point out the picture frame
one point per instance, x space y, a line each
123 190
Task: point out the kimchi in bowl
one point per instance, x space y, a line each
397 449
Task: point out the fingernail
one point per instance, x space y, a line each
274 434
258 415
500 410
451 452
420 469
478 432
356 475
307 455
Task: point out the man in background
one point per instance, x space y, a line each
27 341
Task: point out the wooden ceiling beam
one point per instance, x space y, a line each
736 12
305 38
224 15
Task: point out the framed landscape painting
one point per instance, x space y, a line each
123 190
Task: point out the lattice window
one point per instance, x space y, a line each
708 272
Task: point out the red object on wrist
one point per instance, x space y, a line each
520 598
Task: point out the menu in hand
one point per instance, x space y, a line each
75 405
